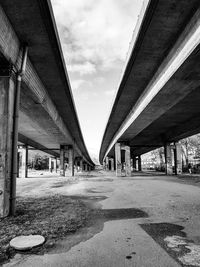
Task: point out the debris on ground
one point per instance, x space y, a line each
26 242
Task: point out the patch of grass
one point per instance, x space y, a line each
53 217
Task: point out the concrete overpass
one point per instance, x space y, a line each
157 102
34 83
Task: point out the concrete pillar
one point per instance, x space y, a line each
112 164
50 164
62 160
84 166
76 164
139 163
127 160
104 165
81 164
134 163
71 160
107 164
178 158
55 163
168 159
24 168
7 90
118 159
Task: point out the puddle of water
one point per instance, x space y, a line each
172 238
118 214
175 241
193 257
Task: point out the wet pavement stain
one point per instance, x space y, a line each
96 191
118 214
173 239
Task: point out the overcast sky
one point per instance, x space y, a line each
95 37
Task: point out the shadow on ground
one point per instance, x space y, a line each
57 217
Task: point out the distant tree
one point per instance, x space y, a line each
158 158
40 162
190 147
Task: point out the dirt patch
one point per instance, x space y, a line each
53 217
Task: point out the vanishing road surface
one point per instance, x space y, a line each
150 220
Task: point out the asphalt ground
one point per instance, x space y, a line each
144 220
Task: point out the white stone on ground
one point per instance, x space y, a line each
26 242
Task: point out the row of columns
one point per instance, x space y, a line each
173 154
67 162
125 162
10 85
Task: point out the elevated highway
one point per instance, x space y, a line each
47 116
157 102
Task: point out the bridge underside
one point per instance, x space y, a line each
47 111
36 102
150 109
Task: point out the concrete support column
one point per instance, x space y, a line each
81 164
50 164
62 160
134 163
139 163
112 164
104 165
178 159
24 168
55 163
127 160
168 159
71 160
7 91
118 159
107 164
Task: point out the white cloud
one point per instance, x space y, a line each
95 34
82 69
76 84
109 92
95 37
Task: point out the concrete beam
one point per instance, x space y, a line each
28 141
